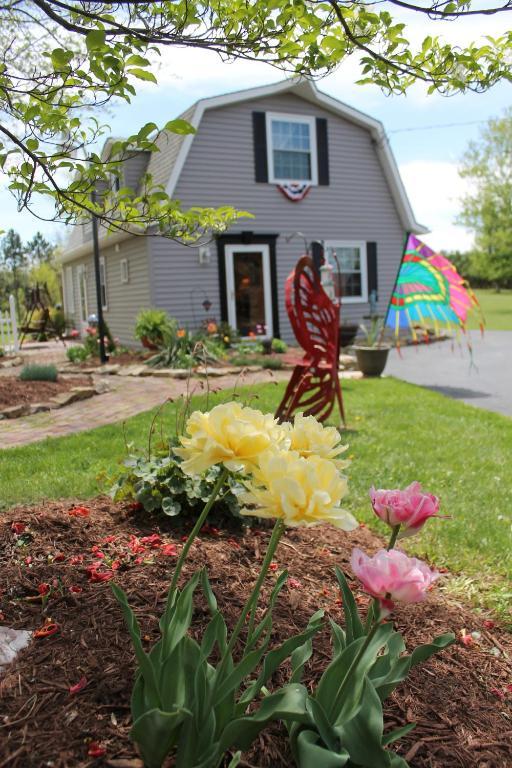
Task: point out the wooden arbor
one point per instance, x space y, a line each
314 385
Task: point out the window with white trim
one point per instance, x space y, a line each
348 259
103 283
291 148
125 274
69 291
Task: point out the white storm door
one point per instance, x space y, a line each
82 295
249 294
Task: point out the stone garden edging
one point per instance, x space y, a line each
73 395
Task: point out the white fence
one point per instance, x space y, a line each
9 328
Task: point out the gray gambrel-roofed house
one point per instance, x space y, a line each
247 148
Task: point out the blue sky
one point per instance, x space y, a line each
427 157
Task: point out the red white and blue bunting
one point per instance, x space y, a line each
295 191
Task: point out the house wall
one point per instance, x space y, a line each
219 170
124 300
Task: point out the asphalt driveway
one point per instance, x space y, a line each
446 367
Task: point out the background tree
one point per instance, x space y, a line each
487 208
63 60
14 260
39 249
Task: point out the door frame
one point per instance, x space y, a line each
249 241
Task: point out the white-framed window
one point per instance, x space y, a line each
103 283
125 274
69 291
348 258
291 148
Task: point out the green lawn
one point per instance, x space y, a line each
397 433
497 309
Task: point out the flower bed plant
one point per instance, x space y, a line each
38 372
196 698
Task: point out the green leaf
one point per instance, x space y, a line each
32 144
142 74
179 126
181 616
156 733
362 734
146 667
95 40
354 627
289 704
398 733
310 753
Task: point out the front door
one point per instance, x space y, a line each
249 295
82 291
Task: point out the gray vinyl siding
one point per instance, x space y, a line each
356 205
134 168
168 145
124 300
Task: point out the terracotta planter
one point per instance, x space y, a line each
148 344
371 360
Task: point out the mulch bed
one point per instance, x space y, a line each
15 392
459 699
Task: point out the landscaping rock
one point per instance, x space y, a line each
107 370
39 407
11 362
135 370
209 371
100 387
73 396
347 362
15 411
350 375
12 641
164 373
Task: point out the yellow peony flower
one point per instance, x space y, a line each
300 491
229 434
309 438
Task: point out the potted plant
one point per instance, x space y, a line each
372 354
153 327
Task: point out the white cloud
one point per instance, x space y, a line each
434 189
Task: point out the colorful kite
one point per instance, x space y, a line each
429 294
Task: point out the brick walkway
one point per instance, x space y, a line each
127 397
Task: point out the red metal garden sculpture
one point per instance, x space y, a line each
315 319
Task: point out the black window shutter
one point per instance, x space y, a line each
322 151
371 267
259 130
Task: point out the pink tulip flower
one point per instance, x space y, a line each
410 508
392 576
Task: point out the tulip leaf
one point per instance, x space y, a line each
398 733
354 626
156 732
310 753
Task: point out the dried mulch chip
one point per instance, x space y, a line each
65 700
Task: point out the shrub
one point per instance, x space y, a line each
271 363
91 341
34 372
279 346
185 350
155 325
77 354
160 485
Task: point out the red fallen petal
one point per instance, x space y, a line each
499 694
294 583
109 539
99 555
75 589
135 506
18 528
169 550
234 543
43 588
47 630
466 640
96 576
76 559
96 750
273 567
489 624
80 512
77 687
28 560
59 557
184 538
509 688
139 560
153 541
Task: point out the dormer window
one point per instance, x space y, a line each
291 148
